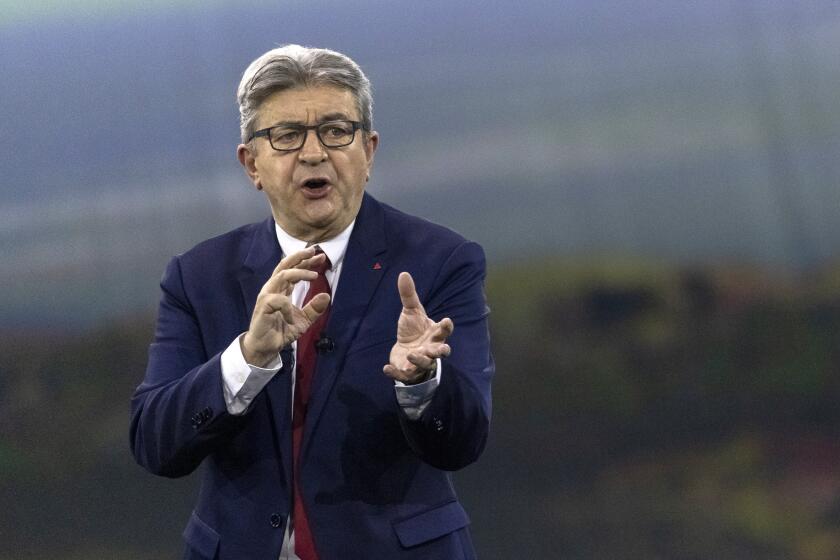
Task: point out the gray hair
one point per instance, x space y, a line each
293 66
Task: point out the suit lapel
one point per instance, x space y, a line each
263 256
362 271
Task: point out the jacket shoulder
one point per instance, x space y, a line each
416 232
227 248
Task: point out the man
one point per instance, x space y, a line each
328 366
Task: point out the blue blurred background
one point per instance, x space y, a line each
656 186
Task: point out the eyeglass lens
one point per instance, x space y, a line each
332 134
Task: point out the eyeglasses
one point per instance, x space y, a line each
291 137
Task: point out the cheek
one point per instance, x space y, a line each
357 169
274 175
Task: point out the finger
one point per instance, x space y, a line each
291 261
396 373
284 280
433 351
279 303
316 306
408 293
439 351
422 362
443 330
312 262
306 265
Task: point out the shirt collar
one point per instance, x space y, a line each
335 248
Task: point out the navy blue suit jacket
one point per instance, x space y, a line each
376 484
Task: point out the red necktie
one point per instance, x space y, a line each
306 356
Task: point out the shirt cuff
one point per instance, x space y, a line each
414 399
241 381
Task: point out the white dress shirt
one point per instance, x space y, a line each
242 382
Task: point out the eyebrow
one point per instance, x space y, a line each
326 118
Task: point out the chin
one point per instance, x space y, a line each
320 227
321 219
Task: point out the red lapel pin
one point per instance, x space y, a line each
377 266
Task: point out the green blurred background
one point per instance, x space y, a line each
656 186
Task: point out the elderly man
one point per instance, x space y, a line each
329 365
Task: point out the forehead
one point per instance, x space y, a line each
307 105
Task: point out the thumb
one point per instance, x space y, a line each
408 293
316 306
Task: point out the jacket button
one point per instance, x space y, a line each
438 424
275 520
207 413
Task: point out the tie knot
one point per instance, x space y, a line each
324 266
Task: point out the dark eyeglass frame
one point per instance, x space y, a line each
266 132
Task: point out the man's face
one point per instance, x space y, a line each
315 192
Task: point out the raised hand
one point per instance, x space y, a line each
420 341
276 322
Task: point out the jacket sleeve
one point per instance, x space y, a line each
178 413
452 431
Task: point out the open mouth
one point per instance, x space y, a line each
314 183
317 187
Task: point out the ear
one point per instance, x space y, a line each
370 147
246 156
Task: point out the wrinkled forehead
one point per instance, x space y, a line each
308 105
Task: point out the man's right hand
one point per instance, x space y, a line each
276 322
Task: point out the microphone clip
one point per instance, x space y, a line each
324 344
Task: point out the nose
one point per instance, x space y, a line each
312 151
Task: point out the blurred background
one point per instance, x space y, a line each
655 184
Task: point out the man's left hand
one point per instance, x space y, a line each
420 341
